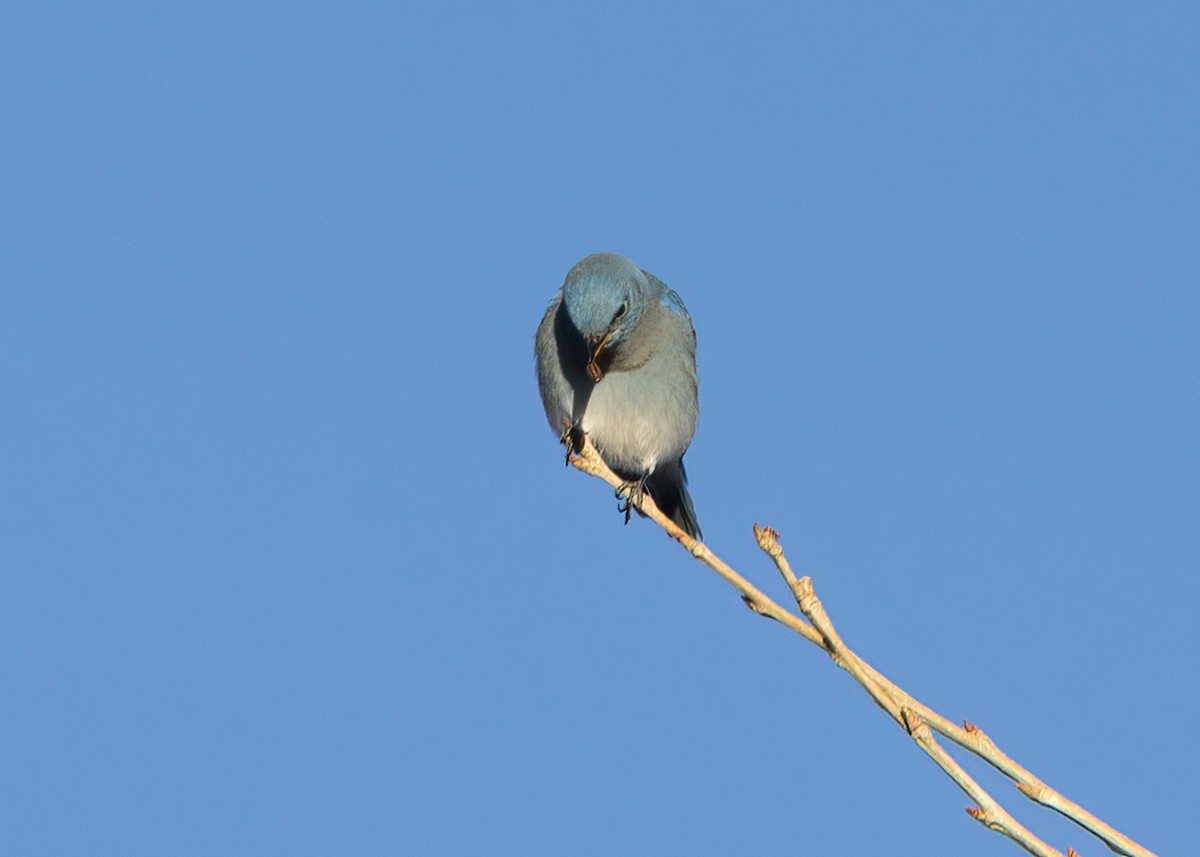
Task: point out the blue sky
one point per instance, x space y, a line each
291 564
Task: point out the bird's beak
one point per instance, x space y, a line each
593 368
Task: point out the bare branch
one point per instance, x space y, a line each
919 721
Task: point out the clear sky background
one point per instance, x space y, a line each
290 560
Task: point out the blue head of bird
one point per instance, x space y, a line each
604 295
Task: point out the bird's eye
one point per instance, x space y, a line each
620 311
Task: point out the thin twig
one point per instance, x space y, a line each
918 720
986 810
589 461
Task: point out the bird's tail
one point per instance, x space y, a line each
668 486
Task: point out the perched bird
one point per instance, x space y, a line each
616 360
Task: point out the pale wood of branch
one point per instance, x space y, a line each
917 719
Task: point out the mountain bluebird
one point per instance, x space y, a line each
616 359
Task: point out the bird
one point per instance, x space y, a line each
616 360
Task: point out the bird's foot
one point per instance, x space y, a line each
572 439
630 494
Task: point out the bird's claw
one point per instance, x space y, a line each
630 495
572 439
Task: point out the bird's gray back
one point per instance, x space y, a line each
554 383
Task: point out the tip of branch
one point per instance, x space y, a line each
766 532
767 538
